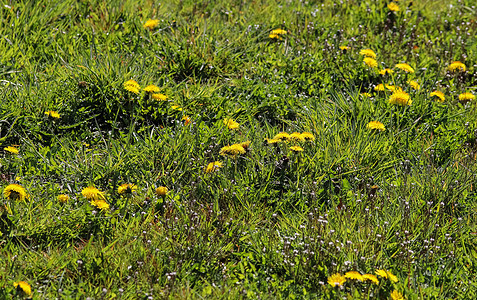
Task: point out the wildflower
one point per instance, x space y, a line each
368 53
395 295
273 141
176 107
23 288
131 82
393 88
296 149
386 71
92 193
414 84
15 192
282 136
186 120
159 96
274 36
296 136
213 166
456 66
405 67
53 114
231 124
152 89
151 24
354 275
132 86
11 149
379 88
400 98
336 280
100 203
370 62
127 188
464 97
393 6
161 191
344 48
439 95
279 31
366 95
63 198
307 136
232 150
371 278
245 145
376 125
387 274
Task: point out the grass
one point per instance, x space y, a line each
270 222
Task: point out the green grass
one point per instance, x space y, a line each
269 223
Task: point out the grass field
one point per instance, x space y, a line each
238 149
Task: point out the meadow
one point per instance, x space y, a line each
238 149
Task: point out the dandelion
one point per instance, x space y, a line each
344 48
23 287
100 203
456 66
439 95
176 107
371 278
386 71
92 193
282 136
245 145
393 88
273 141
63 198
414 84
11 150
296 149
297 137
231 124
53 114
368 53
152 89
232 150
376 125
386 274
186 120
405 67
213 166
370 62
336 280
354 275
279 31
307 136
395 295
127 188
151 24
15 192
159 96
379 88
161 191
132 86
393 6
464 97
400 98
366 95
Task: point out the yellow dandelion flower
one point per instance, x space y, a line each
376 125
393 7
131 82
344 48
456 66
63 198
370 62
151 24
213 166
393 88
15 192
23 288
282 136
231 124
386 274
395 295
400 98
307 136
278 31
386 71
245 145
100 203
186 120
53 114
152 89
92 193
354 275
414 84
273 141
297 137
368 53
379 88
439 95
127 188
336 280
161 191
366 95
11 150
232 150
405 67
464 97
371 278
176 107
296 149
159 96
274 36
